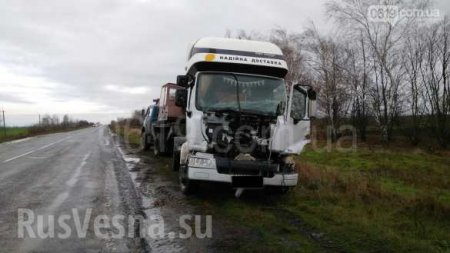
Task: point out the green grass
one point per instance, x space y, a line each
404 173
13 133
131 136
363 201
254 224
370 200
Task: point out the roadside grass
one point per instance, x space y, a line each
254 223
376 200
369 200
249 226
13 133
362 201
131 136
134 137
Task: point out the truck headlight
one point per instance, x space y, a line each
201 162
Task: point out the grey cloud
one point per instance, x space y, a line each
11 98
87 44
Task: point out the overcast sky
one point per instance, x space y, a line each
102 59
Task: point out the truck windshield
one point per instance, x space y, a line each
240 93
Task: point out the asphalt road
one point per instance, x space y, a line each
52 175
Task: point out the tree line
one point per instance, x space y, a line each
388 74
51 123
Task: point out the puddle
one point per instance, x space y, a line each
151 206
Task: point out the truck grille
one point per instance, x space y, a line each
245 168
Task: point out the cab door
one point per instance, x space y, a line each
162 115
292 131
298 119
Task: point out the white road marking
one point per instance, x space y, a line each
57 202
37 157
15 157
71 182
29 244
34 150
18 140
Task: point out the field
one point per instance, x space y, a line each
12 133
363 201
374 200
130 135
368 200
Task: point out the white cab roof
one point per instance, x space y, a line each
245 56
239 45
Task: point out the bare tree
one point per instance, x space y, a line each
435 75
66 120
384 41
291 46
46 120
245 35
413 62
357 70
55 120
326 63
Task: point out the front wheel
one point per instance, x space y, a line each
145 145
156 148
187 186
175 160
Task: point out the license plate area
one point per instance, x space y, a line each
247 181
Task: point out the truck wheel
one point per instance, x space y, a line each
187 186
145 145
156 150
175 160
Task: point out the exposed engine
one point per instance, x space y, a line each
231 134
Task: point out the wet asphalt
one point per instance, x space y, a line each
73 173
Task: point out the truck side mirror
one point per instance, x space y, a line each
312 106
312 94
143 113
312 112
185 80
182 80
181 98
280 108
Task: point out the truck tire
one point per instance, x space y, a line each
145 145
187 186
156 150
175 160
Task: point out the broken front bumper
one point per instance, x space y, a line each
206 167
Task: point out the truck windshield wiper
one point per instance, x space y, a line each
226 109
250 111
243 111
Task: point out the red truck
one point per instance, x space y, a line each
163 121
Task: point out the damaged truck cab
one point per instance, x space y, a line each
243 122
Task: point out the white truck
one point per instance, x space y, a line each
243 122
